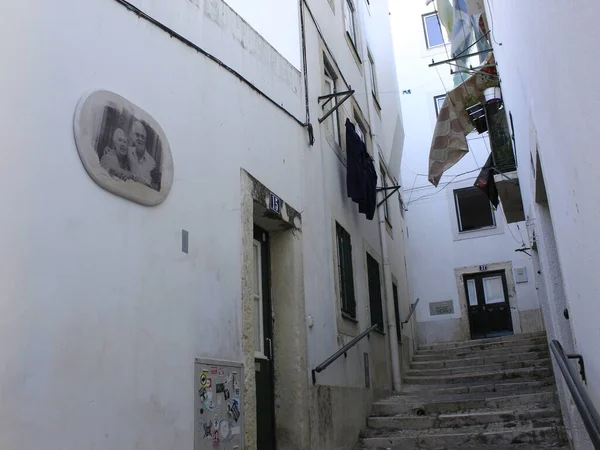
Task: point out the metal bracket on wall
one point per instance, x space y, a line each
329 97
394 189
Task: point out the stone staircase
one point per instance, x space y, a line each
496 393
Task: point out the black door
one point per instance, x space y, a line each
487 300
263 342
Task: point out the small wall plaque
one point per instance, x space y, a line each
275 203
441 308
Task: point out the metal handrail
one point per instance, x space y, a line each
413 307
342 351
587 411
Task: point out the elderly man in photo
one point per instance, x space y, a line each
141 163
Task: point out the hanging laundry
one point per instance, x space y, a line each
485 181
361 177
355 182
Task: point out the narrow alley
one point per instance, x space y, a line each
299 225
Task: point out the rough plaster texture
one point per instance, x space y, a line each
444 330
339 414
537 106
531 320
247 210
289 340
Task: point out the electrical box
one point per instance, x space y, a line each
218 405
520 275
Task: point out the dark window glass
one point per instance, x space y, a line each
374 292
344 247
397 311
473 209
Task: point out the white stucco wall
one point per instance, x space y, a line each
325 185
436 247
552 106
102 314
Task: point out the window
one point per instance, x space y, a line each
374 89
433 30
350 17
361 129
384 181
397 312
473 209
438 100
330 85
375 292
345 273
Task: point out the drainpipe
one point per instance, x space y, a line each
387 272
389 295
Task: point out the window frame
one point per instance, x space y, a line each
438 107
361 128
330 77
455 194
350 23
345 266
373 73
424 18
374 289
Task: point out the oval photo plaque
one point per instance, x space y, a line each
123 148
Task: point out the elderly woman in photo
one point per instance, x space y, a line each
115 159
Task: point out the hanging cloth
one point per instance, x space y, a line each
361 176
485 181
355 182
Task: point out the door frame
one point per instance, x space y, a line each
261 237
507 267
482 275
289 325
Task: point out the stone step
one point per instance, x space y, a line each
474 346
480 368
509 338
529 372
513 446
447 404
462 354
461 419
530 432
501 386
478 361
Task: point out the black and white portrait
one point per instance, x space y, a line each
123 148
128 148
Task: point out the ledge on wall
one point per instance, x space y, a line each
510 196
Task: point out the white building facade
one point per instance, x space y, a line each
108 305
556 148
464 255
